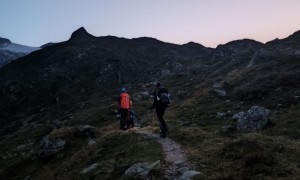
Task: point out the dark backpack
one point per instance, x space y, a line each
164 97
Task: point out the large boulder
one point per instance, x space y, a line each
252 120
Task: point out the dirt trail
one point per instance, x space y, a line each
176 165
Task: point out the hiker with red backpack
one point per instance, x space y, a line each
124 109
160 103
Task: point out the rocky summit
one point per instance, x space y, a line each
236 105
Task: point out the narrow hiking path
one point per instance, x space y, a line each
175 165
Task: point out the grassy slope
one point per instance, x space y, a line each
272 153
114 151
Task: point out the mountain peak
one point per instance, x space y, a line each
80 34
3 40
193 44
146 40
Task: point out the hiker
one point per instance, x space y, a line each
160 103
124 109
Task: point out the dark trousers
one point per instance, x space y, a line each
160 111
124 120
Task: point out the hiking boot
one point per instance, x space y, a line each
163 136
123 128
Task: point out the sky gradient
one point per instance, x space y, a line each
208 22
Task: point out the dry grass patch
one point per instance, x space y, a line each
110 129
234 76
192 152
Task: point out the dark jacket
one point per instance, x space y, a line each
156 97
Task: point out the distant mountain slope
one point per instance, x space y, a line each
47 44
271 75
58 107
10 51
86 65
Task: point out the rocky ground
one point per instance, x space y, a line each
175 163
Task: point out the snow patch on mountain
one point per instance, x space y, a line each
17 48
11 51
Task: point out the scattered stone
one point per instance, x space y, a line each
86 131
220 115
56 124
218 85
185 123
49 147
220 92
145 95
9 155
238 115
183 170
90 169
91 142
141 170
227 129
180 163
187 175
21 147
165 72
219 88
141 96
27 177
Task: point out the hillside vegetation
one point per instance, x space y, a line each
58 108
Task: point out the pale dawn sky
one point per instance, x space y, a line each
208 22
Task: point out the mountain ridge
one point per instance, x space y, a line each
62 100
122 56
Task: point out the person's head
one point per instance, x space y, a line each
158 85
123 90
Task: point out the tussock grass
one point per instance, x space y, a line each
286 123
114 151
268 154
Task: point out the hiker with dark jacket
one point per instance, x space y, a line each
160 103
124 109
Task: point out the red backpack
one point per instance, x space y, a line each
124 101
